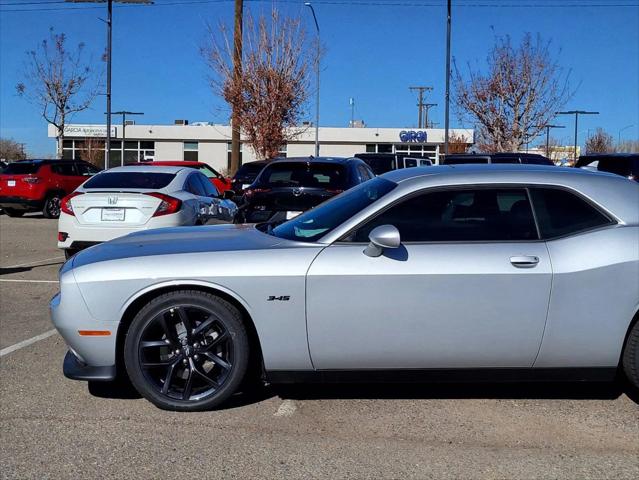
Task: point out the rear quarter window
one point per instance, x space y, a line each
560 212
141 180
20 168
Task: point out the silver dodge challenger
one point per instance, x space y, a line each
484 272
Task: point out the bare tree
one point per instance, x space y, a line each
600 142
458 143
11 150
93 152
628 146
517 97
271 92
58 81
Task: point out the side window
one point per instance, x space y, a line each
561 213
66 169
363 173
206 185
193 186
86 169
459 216
505 160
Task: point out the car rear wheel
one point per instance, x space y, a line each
630 359
52 206
14 213
187 351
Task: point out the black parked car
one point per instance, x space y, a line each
624 164
287 187
385 162
525 158
246 175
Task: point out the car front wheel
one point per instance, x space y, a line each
187 351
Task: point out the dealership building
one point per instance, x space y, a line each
211 143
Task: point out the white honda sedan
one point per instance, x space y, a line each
122 200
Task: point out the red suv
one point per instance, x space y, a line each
39 185
221 182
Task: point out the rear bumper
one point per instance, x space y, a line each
20 203
74 369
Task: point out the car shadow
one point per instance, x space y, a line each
448 391
8 271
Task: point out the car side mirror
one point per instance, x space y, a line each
384 236
228 195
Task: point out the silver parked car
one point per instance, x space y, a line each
504 271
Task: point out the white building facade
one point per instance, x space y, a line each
211 144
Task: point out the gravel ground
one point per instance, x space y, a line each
51 427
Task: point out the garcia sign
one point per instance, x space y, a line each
412 136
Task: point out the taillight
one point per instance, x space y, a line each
31 180
167 204
65 204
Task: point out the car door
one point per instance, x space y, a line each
199 202
469 286
212 197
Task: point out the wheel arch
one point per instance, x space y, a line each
136 302
633 322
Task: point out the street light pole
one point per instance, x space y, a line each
619 133
109 23
548 127
576 113
317 72
446 120
124 113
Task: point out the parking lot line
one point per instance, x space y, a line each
26 343
27 281
35 262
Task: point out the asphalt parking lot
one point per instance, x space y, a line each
52 427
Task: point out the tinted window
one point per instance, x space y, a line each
193 186
317 222
620 166
465 159
66 169
208 171
207 187
505 160
249 171
21 168
536 160
142 180
457 216
364 173
303 174
560 212
86 169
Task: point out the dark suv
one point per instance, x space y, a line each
287 187
381 163
624 164
525 158
39 185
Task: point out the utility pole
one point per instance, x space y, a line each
420 102
124 113
237 76
576 113
427 107
446 120
548 127
317 74
351 102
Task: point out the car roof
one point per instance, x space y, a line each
615 193
147 169
311 159
175 163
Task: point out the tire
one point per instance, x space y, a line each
69 252
181 371
13 212
630 359
51 207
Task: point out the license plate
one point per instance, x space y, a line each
11 183
290 215
112 214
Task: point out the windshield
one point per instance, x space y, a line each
21 168
144 180
316 223
209 172
303 174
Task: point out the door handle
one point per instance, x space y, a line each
524 261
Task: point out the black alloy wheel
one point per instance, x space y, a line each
187 351
52 206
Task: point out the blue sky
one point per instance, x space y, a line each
376 49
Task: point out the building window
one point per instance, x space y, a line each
282 151
371 148
190 151
228 154
384 148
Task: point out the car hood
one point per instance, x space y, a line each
171 241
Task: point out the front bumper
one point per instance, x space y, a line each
75 369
